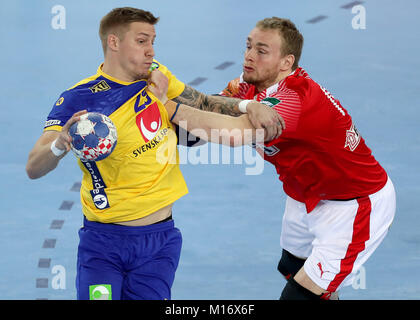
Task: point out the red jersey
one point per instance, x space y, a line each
320 155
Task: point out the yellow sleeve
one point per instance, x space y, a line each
176 87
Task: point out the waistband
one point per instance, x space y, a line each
388 187
128 230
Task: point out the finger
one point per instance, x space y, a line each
271 133
68 147
153 89
282 122
280 128
63 141
156 76
256 123
73 119
160 94
79 113
266 135
279 131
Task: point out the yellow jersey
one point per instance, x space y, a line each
142 174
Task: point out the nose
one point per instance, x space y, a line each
249 56
150 52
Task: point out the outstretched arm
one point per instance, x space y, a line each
259 115
215 127
196 99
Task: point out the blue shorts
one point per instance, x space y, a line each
127 263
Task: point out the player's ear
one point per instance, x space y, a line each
113 42
288 61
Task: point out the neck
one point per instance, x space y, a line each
115 70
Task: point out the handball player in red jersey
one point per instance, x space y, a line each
340 200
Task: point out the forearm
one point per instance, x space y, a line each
201 101
214 127
41 159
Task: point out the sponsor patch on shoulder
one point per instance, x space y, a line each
352 138
50 123
270 101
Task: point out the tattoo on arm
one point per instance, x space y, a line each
194 98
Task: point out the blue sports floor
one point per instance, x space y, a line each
230 221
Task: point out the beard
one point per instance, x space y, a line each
136 69
251 79
141 73
260 81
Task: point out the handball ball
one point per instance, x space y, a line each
94 137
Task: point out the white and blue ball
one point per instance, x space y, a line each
94 137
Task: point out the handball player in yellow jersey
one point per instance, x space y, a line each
129 246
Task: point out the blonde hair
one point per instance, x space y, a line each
293 39
118 19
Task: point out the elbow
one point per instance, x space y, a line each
32 174
33 171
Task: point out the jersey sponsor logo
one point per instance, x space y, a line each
154 66
352 138
268 151
149 122
152 143
270 101
50 123
320 268
98 193
100 292
145 99
100 200
100 86
59 101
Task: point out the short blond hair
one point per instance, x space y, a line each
119 18
293 39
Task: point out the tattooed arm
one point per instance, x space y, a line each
215 127
219 104
260 115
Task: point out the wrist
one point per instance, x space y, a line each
174 113
56 151
243 105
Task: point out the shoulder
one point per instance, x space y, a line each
236 88
75 92
231 89
301 83
68 102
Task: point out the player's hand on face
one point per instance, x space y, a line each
264 117
64 139
158 84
